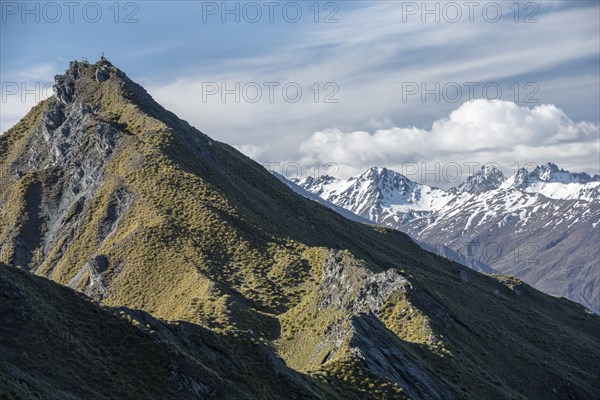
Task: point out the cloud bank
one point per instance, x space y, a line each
476 132
370 54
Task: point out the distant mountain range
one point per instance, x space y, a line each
541 226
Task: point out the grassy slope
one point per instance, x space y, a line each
213 238
58 344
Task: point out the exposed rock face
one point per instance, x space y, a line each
521 179
102 74
64 85
348 286
384 357
67 154
90 278
550 172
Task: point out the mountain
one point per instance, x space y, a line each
375 194
59 344
556 183
342 211
489 177
252 291
552 174
540 226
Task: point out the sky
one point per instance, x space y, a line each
310 87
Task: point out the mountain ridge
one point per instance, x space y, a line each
491 222
103 190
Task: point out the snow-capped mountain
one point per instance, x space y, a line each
542 226
555 183
376 193
340 210
488 178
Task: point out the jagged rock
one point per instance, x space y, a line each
379 350
369 291
521 179
348 285
73 162
102 74
54 118
64 85
489 177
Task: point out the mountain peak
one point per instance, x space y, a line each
70 85
546 172
381 174
489 177
520 179
115 99
373 172
551 173
314 184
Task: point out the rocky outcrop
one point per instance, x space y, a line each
361 294
386 357
102 74
349 285
68 154
64 85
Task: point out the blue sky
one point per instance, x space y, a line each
366 58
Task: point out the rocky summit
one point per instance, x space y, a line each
141 259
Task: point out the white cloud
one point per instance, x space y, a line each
370 53
251 150
476 132
41 72
377 123
22 89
